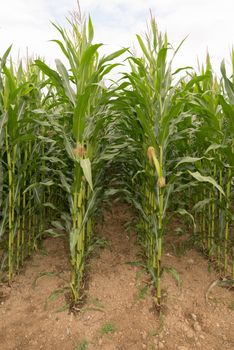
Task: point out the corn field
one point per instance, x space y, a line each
160 138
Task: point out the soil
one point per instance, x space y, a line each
119 310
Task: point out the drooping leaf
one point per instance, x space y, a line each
52 74
175 274
208 179
185 212
191 160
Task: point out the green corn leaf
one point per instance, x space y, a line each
66 82
185 212
191 160
35 185
57 224
228 110
79 115
62 47
53 233
143 48
89 55
114 55
196 80
208 179
74 234
229 86
3 62
3 119
86 167
50 205
4 57
64 183
214 147
90 30
201 204
52 74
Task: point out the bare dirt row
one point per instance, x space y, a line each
119 311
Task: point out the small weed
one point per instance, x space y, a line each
63 308
183 244
129 228
100 243
83 345
180 248
153 333
139 274
108 328
54 296
43 251
97 303
94 304
135 263
142 292
175 274
156 332
43 274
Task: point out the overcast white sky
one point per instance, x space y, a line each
209 23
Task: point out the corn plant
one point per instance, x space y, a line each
157 108
161 139
22 151
164 111
81 91
213 163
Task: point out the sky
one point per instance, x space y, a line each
208 24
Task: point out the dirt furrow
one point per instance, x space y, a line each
118 312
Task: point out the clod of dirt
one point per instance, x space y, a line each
197 327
